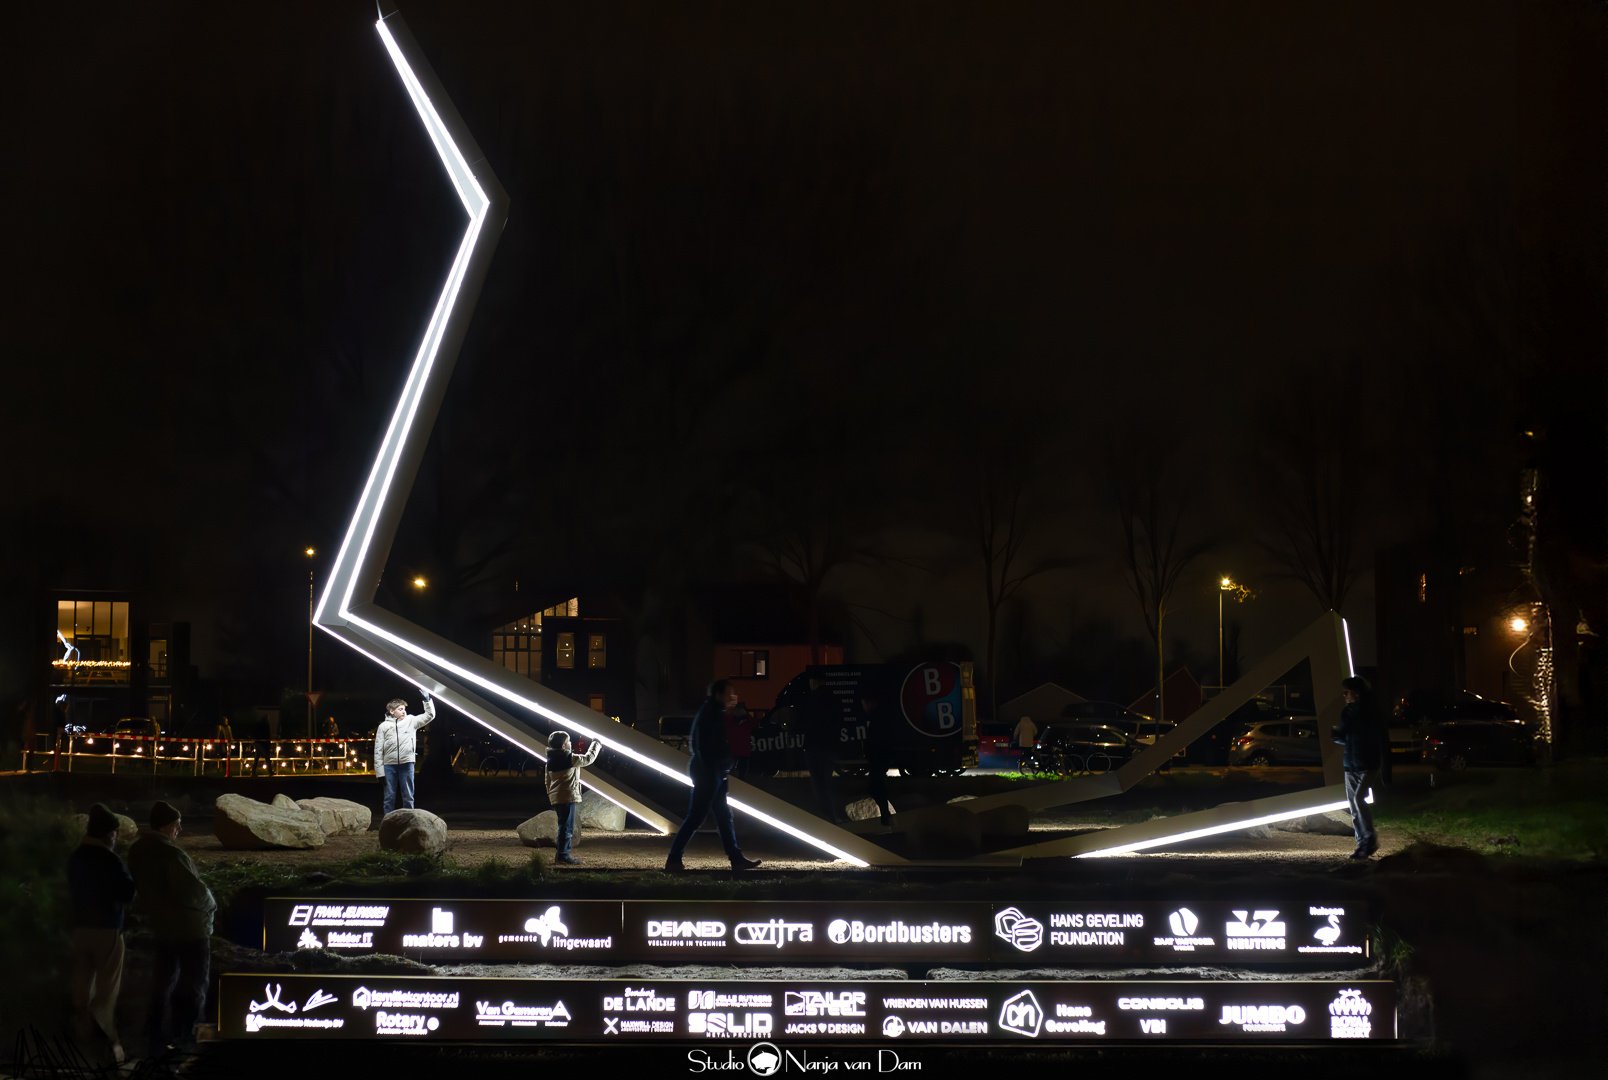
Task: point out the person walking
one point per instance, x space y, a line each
564 787
178 907
1361 732
1026 734
709 767
396 747
823 727
99 887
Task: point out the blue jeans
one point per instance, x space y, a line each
398 787
566 827
708 794
1361 814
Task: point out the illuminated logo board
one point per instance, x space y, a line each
1313 934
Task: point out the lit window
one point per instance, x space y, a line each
1423 588
753 663
597 653
566 651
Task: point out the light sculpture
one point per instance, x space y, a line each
511 707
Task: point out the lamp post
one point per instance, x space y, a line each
1242 593
310 552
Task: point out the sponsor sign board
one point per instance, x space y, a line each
446 1009
1256 931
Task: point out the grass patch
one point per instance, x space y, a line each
35 840
1547 813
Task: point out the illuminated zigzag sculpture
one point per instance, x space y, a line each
521 711
511 707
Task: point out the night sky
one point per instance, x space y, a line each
773 261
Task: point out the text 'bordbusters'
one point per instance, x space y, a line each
896 932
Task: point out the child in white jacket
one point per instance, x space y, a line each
564 786
396 746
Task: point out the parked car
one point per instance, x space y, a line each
1080 747
996 747
1213 747
1460 744
1292 740
1419 711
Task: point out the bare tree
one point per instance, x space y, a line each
1154 556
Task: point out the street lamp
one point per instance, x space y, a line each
310 552
420 583
1242 593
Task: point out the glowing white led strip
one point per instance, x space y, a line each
358 623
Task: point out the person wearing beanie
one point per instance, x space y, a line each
178 907
98 886
564 786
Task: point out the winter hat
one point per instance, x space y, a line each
163 814
101 821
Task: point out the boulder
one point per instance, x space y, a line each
338 815
867 810
417 832
1337 823
243 824
284 802
540 831
941 832
127 830
602 815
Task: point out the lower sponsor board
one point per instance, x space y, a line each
446 1009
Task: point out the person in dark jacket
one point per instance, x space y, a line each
822 715
710 766
178 907
99 887
1362 733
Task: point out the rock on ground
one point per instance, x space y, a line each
244 824
540 831
416 832
338 815
867 810
597 813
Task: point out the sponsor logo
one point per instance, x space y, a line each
317 1000
926 1004
1262 1017
551 931
893 1027
639 999
764 1059
441 935
270 1000
1021 1015
512 1014
731 1025
1183 923
1073 1020
341 915
364 998
1024 933
1093 928
705 932
714 999
394 1023
1263 930
308 940
896 932
1160 1004
776 932
824 1003
1328 934
1350 1016
346 939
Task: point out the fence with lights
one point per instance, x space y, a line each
230 757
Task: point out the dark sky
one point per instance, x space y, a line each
861 241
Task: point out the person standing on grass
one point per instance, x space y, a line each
396 748
99 887
564 787
709 768
1361 732
178 907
